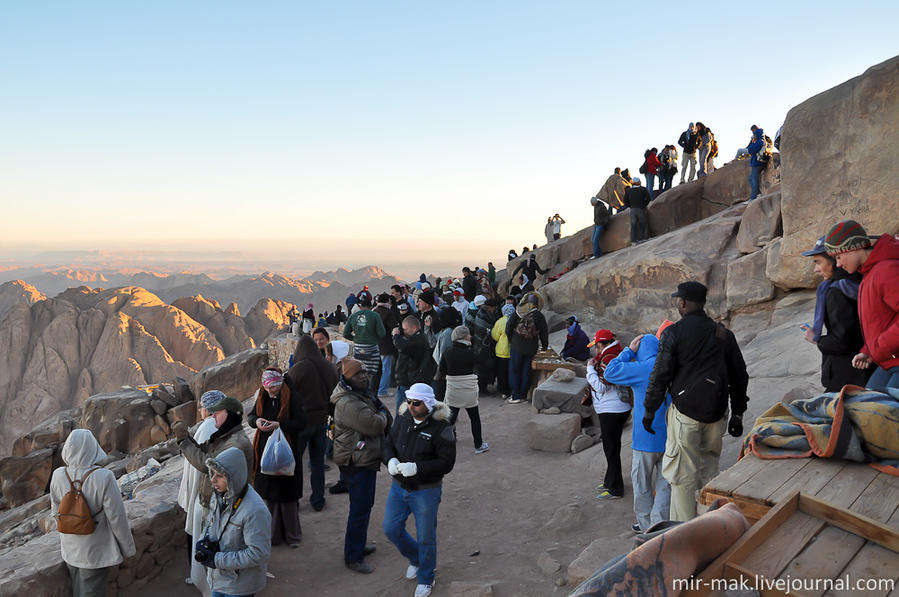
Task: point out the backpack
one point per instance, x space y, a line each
764 154
713 148
643 168
74 515
527 327
604 211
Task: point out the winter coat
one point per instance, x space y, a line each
633 370
279 488
311 380
469 287
878 302
390 321
699 364
364 327
111 542
230 435
359 428
527 346
413 354
756 145
652 164
843 339
480 326
243 528
637 198
576 344
688 141
431 445
458 359
612 191
531 269
498 333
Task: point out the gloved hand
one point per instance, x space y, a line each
205 556
393 466
407 469
647 424
180 430
735 425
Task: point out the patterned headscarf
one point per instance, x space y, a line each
211 398
272 379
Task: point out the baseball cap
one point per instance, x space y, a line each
818 249
602 336
692 291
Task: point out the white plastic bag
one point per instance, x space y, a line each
277 457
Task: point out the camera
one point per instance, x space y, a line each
205 548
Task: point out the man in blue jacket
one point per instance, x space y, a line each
756 145
632 368
576 342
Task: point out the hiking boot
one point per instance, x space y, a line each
338 487
605 495
423 590
484 447
411 572
362 567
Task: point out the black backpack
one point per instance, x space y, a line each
643 168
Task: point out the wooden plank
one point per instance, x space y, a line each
727 481
847 485
825 557
784 544
870 529
871 562
878 501
777 472
813 476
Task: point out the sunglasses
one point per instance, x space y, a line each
414 402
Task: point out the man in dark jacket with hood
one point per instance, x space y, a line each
413 357
531 269
576 342
689 140
526 330
700 365
469 284
311 380
756 144
637 199
419 451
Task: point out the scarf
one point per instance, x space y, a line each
847 286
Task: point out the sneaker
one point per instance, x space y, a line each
605 495
484 447
600 488
505 396
513 401
369 549
411 572
423 590
188 581
362 567
636 528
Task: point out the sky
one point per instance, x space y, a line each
359 133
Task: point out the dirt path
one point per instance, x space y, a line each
493 503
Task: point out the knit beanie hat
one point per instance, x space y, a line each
459 333
227 403
350 367
508 310
427 296
846 236
211 398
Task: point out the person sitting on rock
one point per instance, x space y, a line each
90 557
836 309
613 413
576 342
878 306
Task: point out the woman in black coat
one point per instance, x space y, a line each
274 408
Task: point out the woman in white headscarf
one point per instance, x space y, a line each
90 557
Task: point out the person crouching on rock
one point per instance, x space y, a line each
90 557
360 424
457 365
419 451
237 541
277 407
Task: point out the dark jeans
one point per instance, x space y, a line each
317 443
502 376
557 236
520 374
638 224
486 369
475 417
598 229
883 379
611 425
361 486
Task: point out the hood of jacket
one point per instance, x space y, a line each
441 411
886 248
82 451
649 348
232 463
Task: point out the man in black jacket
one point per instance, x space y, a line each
688 140
469 284
413 356
700 365
526 329
420 449
637 199
531 269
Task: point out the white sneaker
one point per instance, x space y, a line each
412 572
484 447
422 590
513 401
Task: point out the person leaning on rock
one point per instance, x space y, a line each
700 365
89 558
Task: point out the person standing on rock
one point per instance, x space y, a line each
308 319
704 137
531 269
689 141
637 199
240 525
612 190
668 168
878 297
652 170
836 308
611 410
756 144
413 357
360 425
526 330
699 365
557 222
458 367
89 558
601 217
548 230
652 493
366 329
420 450
498 333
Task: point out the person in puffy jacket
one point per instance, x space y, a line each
419 451
756 144
576 341
502 351
652 493
241 525
89 558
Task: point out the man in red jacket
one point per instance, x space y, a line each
878 296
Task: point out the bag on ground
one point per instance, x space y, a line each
277 457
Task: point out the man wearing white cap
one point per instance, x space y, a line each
419 451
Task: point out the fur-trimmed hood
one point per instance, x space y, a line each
232 464
441 411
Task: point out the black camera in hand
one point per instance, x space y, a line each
205 550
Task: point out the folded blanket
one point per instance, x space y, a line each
855 424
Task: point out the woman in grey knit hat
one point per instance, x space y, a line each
458 366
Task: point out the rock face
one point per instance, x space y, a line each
553 433
18 292
120 420
266 317
760 220
838 163
238 375
589 561
746 281
229 328
25 478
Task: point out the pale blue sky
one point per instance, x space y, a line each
365 128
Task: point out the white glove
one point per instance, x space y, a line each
407 469
393 466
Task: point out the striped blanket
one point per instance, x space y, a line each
855 424
370 356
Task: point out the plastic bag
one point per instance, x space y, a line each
277 458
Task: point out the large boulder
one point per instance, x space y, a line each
25 478
565 395
746 281
50 433
237 376
761 222
120 420
553 433
838 163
